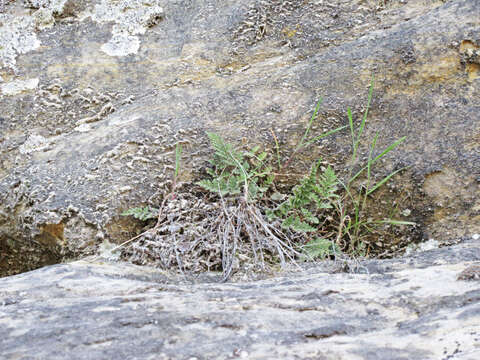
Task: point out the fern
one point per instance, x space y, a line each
236 172
296 224
320 249
315 193
317 209
225 154
142 213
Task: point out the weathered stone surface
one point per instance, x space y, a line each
95 94
412 308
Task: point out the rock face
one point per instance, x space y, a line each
95 95
423 307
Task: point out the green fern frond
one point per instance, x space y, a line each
301 226
142 213
235 171
308 216
321 248
309 198
225 154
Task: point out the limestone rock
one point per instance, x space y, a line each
120 83
411 308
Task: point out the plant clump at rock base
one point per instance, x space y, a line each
239 217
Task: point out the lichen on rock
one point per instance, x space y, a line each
17 36
17 86
54 5
130 18
417 308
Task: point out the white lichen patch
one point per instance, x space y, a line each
18 86
121 44
109 251
33 143
43 18
17 36
425 246
83 128
130 18
55 5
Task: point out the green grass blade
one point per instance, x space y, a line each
178 155
357 174
396 222
314 116
383 181
378 157
389 148
316 138
365 114
350 122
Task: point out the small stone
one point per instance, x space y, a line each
43 18
72 209
429 245
470 274
476 236
406 212
101 207
124 189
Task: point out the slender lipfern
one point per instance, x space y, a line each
234 172
315 193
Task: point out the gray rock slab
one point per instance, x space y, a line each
415 308
94 98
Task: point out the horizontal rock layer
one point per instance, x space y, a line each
94 98
418 308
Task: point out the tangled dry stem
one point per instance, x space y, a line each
198 234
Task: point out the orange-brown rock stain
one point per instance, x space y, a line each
51 234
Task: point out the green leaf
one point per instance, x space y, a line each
288 222
276 196
270 214
383 181
253 190
389 148
320 248
141 213
301 226
325 205
350 122
284 208
262 156
397 222
309 216
378 157
269 180
364 119
255 149
225 153
316 138
309 126
178 155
